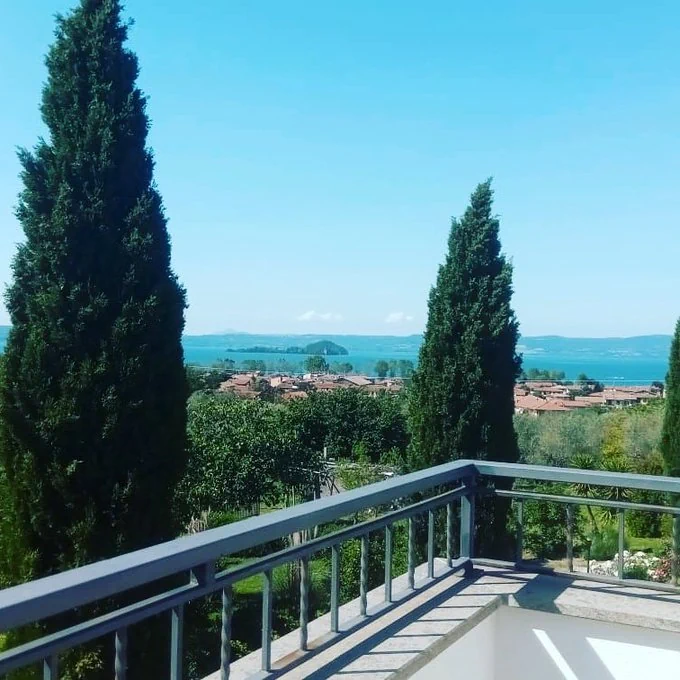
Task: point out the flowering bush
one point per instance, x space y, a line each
635 565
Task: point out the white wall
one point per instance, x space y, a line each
521 644
472 656
539 646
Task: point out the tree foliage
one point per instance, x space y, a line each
242 452
381 368
543 374
670 436
93 396
343 367
349 422
316 364
462 393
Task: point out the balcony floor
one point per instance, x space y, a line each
396 641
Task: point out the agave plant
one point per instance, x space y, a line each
613 493
585 461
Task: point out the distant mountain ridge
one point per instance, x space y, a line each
657 346
641 346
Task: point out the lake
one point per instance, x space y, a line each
621 370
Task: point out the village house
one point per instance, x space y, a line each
242 385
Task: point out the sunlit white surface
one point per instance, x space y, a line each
627 661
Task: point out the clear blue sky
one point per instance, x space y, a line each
310 154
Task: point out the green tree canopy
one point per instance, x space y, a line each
462 401
316 364
93 401
670 435
462 394
241 452
342 367
348 420
381 368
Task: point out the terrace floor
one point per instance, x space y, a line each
401 639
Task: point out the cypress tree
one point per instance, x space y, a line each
670 435
670 439
461 401
93 400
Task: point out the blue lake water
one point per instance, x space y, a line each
610 370
637 360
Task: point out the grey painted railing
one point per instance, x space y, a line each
196 556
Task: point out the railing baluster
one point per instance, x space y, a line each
430 544
120 662
411 553
519 556
675 555
449 535
177 634
570 538
304 601
388 563
225 637
467 523
363 580
335 588
622 538
51 668
267 621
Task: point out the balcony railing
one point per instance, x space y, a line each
195 558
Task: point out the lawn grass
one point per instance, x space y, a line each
252 585
653 545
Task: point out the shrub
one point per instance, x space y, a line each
604 544
637 571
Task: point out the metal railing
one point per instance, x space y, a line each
197 555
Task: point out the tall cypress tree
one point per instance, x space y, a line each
461 401
93 397
670 436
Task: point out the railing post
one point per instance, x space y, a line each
388 563
570 538
363 576
225 636
449 535
520 531
177 635
622 539
411 554
51 668
120 661
467 521
267 621
675 556
304 601
335 588
430 544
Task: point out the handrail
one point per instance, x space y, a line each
547 473
40 599
585 500
107 623
44 597
51 595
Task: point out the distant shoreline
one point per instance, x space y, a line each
612 361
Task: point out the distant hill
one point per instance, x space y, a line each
352 343
532 347
325 347
652 346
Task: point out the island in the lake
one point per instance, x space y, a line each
323 347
